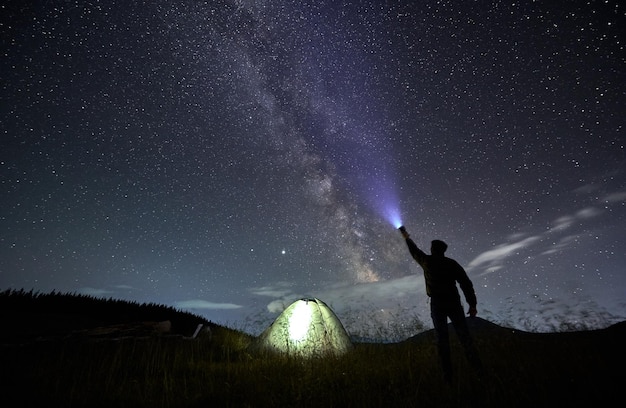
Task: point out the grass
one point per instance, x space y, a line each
524 369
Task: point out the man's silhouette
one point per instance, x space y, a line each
441 275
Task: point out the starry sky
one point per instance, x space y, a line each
229 157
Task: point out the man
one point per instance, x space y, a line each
441 275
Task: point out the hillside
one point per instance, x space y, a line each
484 330
63 356
29 316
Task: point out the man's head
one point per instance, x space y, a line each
438 247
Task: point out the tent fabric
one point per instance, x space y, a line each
307 328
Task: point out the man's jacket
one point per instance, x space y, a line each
441 274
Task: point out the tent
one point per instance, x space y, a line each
307 328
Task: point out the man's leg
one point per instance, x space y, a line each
457 317
440 321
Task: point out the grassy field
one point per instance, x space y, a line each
524 370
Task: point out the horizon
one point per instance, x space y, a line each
375 324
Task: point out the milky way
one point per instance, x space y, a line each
229 157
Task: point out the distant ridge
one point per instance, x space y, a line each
477 326
480 327
27 316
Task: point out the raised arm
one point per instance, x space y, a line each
416 253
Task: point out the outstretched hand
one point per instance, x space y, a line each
472 312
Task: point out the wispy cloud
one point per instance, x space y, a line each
587 189
342 296
561 244
94 291
279 289
204 304
588 212
112 291
567 221
562 223
618 197
492 260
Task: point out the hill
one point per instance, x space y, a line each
484 330
477 326
75 368
30 316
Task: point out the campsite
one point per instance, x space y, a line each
69 350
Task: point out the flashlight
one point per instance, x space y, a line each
402 229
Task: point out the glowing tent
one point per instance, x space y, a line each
307 328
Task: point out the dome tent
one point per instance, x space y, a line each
307 328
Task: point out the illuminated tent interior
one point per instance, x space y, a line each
307 328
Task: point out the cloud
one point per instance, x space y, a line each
491 260
618 197
371 294
567 221
562 244
562 223
386 290
587 189
279 289
203 304
94 292
588 212
101 292
278 305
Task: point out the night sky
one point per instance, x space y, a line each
229 157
